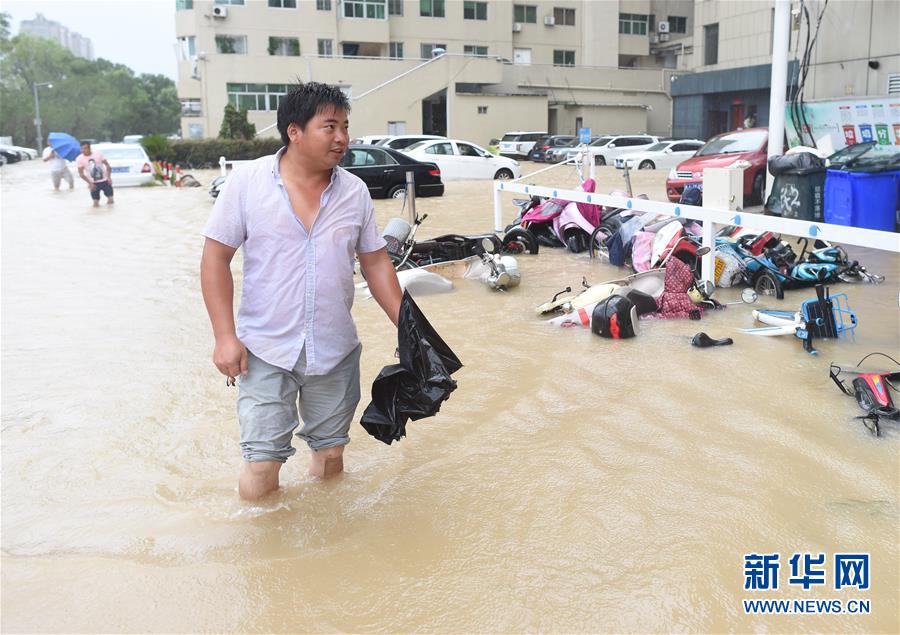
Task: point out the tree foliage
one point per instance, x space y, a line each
235 124
89 99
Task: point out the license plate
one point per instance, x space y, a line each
693 186
125 169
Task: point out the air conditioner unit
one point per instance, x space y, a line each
517 27
663 37
654 38
549 20
662 26
220 11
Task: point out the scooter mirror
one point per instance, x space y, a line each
749 296
702 251
487 245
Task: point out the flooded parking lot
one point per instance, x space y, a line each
570 484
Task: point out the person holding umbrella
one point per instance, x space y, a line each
96 172
59 169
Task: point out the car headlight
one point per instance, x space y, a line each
740 164
672 173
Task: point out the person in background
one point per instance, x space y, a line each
59 169
750 120
96 172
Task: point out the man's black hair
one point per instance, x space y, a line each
305 101
85 143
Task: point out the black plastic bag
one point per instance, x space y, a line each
799 161
417 386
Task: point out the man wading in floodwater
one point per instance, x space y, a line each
300 219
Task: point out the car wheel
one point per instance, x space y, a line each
398 191
599 160
503 175
759 187
647 165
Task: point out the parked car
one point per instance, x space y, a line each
548 142
560 153
384 171
8 154
662 155
518 144
605 149
723 151
369 139
132 138
129 162
464 160
399 142
26 153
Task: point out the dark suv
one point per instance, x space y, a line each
548 142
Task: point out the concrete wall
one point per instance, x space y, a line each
504 113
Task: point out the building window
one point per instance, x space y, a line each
677 24
711 44
893 86
525 13
265 97
237 2
564 58
195 131
231 44
632 24
431 8
183 5
563 16
428 49
371 9
288 46
395 50
283 4
326 48
349 49
395 7
474 10
482 110
191 108
187 48
477 51
323 5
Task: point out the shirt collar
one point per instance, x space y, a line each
276 169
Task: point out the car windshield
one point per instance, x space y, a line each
602 141
571 143
123 153
510 137
416 146
734 143
659 147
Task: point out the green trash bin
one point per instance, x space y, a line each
799 194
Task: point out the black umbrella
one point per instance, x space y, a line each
416 387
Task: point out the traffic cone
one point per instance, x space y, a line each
177 176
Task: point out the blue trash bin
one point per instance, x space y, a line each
862 199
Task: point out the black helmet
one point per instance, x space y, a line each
615 317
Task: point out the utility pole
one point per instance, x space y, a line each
37 113
778 84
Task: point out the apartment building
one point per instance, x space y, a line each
856 53
471 69
51 30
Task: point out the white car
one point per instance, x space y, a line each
129 162
370 139
605 149
663 155
519 143
464 160
403 141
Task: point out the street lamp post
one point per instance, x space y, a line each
37 113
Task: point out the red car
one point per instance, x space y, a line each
720 152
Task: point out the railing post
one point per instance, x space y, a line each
708 262
498 211
222 166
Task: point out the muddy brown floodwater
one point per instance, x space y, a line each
571 484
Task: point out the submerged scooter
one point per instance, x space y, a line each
871 389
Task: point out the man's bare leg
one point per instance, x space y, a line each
258 478
109 201
328 462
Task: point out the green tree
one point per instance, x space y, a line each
235 124
89 99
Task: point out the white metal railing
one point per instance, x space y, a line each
223 164
875 239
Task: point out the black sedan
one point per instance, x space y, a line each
384 171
